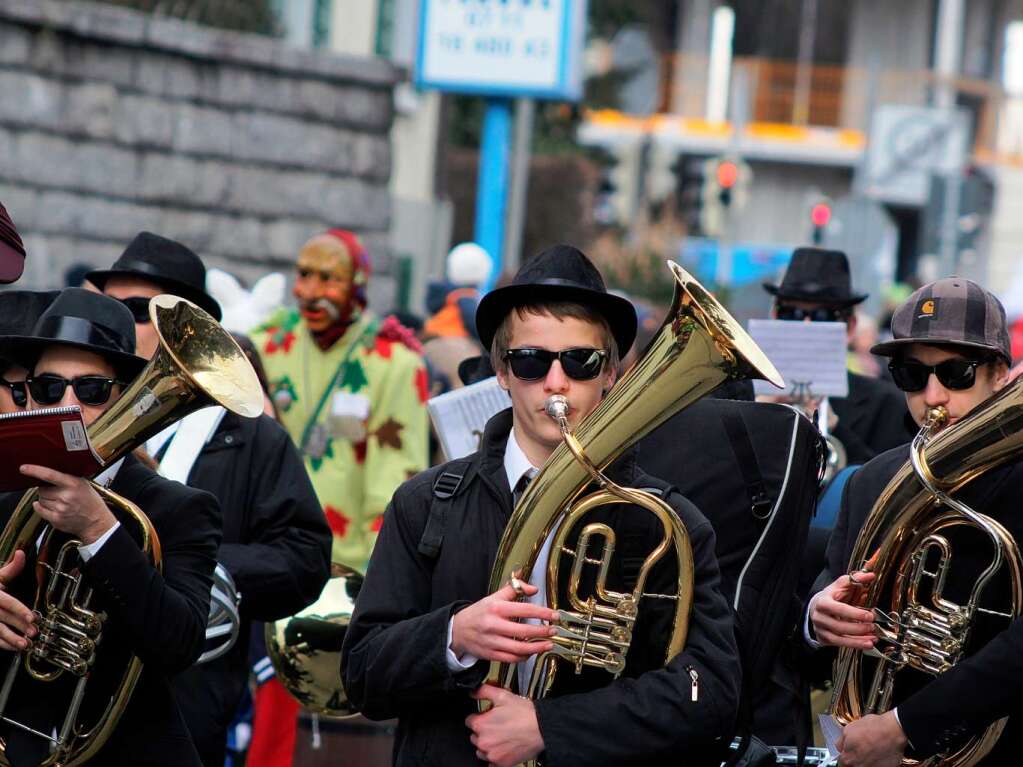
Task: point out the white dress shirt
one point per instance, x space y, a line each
516 466
106 479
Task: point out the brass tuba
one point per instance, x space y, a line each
905 541
197 364
698 347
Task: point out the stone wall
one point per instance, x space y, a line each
112 122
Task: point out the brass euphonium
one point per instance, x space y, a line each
698 347
905 540
197 364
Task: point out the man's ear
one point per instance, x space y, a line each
502 376
850 326
1002 375
609 379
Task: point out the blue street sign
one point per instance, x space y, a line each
750 262
502 49
513 48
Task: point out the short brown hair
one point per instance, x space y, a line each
559 310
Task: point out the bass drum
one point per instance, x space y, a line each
305 648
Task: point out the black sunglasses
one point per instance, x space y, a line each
820 314
48 389
534 364
18 391
139 307
956 374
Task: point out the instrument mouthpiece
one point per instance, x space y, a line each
557 406
936 417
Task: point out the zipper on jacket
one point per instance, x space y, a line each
694 692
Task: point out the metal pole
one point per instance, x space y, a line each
524 111
720 64
948 45
492 187
947 54
804 63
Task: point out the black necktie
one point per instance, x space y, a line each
521 485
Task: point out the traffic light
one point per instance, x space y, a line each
820 216
727 174
711 189
661 173
696 180
618 194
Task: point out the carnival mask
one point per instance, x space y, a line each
324 282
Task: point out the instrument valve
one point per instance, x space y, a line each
92 624
614 663
958 620
951 645
627 607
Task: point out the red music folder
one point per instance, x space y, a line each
54 437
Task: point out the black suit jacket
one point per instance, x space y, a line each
159 616
985 686
276 545
394 654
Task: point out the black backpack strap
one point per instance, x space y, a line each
448 484
742 445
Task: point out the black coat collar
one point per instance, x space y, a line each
624 470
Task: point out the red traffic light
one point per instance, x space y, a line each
728 174
820 214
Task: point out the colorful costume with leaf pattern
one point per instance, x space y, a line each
360 461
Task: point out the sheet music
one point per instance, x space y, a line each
809 355
832 732
459 415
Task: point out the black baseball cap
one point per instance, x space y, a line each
950 312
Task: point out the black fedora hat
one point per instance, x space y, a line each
560 273
82 319
166 263
19 310
12 249
817 275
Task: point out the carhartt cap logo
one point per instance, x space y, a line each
926 310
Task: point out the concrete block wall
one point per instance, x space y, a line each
112 122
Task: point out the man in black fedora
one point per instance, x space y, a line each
276 543
167 264
81 353
816 287
425 629
19 310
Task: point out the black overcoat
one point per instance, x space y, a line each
276 546
985 686
394 657
161 617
